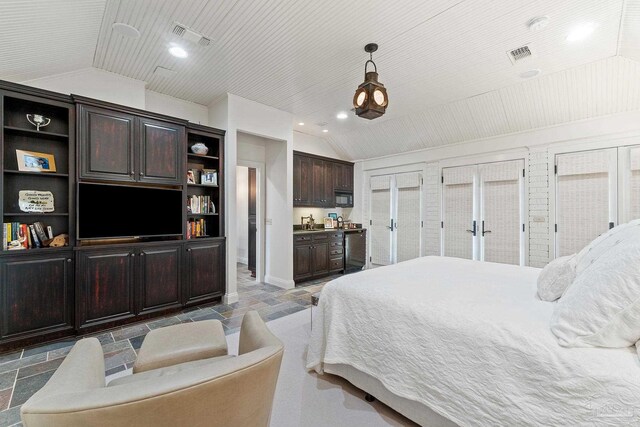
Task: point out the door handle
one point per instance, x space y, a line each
483 230
473 231
390 226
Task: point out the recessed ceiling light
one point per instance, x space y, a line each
125 30
325 130
342 115
538 23
531 73
581 32
300 123
178 52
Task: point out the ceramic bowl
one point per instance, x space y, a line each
199 148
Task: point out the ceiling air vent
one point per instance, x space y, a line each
189 35
519 54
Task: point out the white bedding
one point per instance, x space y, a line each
471 341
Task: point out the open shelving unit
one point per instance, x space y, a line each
55 139
212 222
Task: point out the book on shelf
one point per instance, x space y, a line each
200 205
17 235
196 228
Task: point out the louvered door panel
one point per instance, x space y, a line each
408 216
380 220
457 199
500 226
583 197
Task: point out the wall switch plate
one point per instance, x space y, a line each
268 221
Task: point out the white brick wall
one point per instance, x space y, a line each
432 209
538 179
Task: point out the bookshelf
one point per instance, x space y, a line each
204 193
55 140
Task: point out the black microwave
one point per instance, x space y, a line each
344 199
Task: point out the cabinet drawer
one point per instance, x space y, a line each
333 252
336 244
336 236
302 239
320 237
336 264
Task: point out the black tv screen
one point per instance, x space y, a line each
106 211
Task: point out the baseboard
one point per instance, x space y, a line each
281 283
242 260
230 298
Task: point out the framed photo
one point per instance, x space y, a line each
332 215
191 178
328 222
32 161
209 177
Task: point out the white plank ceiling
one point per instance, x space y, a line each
444 62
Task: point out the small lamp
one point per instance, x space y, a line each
370 100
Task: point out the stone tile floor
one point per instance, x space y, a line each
25 371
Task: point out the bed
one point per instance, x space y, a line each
449 341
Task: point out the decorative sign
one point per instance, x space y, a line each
35 201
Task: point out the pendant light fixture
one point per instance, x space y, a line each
370 100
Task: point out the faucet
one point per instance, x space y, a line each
310 223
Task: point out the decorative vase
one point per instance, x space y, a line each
200 149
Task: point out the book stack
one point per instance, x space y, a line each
27 236
200 205
196 228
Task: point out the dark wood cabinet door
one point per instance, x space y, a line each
337 176
329 196
302 181
161 148
205 273
106 144
318 169
160 278
302 262
320 256
347 177
36 295
105 286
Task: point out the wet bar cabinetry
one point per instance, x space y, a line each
318 180
98 283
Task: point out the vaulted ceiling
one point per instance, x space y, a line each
444 62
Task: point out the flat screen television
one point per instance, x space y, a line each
110 211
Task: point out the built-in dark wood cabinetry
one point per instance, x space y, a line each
317 254
316 180
116 145
205 271
98 282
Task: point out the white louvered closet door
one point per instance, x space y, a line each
630 161
457 211
380 215
586 185
500 229
408 228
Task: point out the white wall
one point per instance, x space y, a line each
241 116
314 145
242 212
95 83
536 147
165 104
111 87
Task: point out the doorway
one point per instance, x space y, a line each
247 213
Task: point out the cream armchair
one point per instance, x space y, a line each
220 391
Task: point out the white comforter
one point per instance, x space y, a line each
471 341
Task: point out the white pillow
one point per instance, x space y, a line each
600 245
555 278
602 306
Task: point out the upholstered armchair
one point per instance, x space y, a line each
220 391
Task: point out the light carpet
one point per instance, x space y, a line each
306 399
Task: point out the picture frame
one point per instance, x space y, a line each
33 161
209 177
191 178
332 215
328 222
